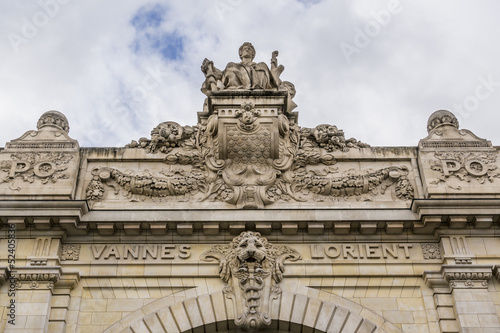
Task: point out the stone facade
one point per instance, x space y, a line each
248 221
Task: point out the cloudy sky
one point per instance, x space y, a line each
376 69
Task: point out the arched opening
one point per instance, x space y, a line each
289 313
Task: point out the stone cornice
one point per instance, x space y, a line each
74 217
36 277
46 277
43 207
472 206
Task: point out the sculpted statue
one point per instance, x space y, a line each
246 75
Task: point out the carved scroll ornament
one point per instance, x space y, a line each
252 269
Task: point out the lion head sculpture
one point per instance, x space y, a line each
250 247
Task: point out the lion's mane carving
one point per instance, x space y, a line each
248 247
256 266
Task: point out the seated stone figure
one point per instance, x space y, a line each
246 75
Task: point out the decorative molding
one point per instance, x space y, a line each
467 276
55 119
41 145
148 184
459 277
251 157
463 261
38 262
252 269
36 277
441 118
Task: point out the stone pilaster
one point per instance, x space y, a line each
467 300
443 301
33 297
59 304
473 306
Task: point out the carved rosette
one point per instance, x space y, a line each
70 252
431 250
252 269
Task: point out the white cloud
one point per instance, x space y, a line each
82 63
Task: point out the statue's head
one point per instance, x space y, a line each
247 50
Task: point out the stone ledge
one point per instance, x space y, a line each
459 277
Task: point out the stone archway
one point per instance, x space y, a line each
214 313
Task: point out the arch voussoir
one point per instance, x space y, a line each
290 312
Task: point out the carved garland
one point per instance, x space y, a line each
176 183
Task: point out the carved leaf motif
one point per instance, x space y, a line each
49 166
464 167
176 182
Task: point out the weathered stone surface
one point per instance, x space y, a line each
164 235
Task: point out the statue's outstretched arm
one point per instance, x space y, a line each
212 75
208 68
275 69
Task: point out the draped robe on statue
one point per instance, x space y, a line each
248 76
